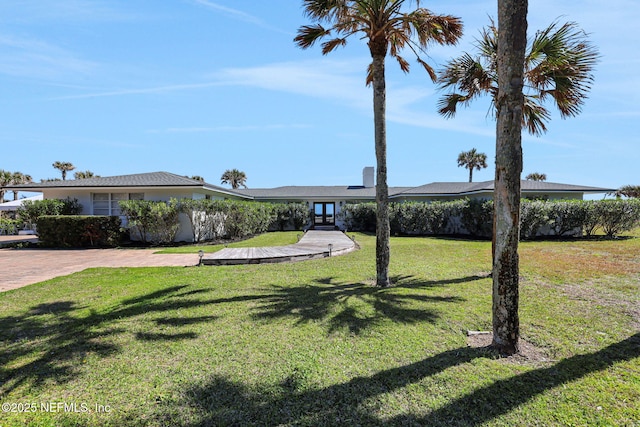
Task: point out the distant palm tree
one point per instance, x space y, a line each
234 178
6 178
18 178
535 176
197 178
64 167
472 160
85 175
559 65
387 29
628 191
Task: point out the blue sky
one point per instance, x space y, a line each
196 87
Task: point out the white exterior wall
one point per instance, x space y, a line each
85 198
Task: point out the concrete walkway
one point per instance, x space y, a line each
314 244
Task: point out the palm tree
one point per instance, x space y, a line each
84 175
6 178
536 176
631 191
18 178
235 178
472 160
64 167
510 66
558 66
387 29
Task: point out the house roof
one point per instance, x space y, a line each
140 180
469 188
353 192
15 204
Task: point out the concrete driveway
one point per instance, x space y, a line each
21 267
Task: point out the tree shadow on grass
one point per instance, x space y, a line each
355 306
224 403
49 340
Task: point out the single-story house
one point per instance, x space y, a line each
100 196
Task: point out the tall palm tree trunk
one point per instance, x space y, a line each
512 40
470 174
383 233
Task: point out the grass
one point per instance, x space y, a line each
314 343
267 239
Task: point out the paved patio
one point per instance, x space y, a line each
21 267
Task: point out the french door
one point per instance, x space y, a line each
324 213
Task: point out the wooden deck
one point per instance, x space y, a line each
314 244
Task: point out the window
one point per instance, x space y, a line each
107 203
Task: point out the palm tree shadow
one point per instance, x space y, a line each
355 306
61 333
223 402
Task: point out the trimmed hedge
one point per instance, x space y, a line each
560 218
74 231
214 219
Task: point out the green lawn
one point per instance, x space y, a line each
314 343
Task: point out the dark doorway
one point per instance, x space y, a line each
324 213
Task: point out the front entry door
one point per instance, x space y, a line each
324 213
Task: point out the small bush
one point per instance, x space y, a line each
290 216
477 217
31 210
534 216
78 231
617 216
152 221
424 218
360 216
8 226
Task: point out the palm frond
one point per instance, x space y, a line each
309 34
429 69
431 28
325 10
448 104
330 45
534 116
561 64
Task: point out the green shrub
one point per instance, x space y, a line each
289 216
31 210
243 219
204 216
8 226
359 216
617 216
152 221
567 218
424 218
78 231
477 217
534 216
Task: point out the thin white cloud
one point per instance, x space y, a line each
140 91
238 14
28 57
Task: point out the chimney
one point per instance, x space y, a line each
367 177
